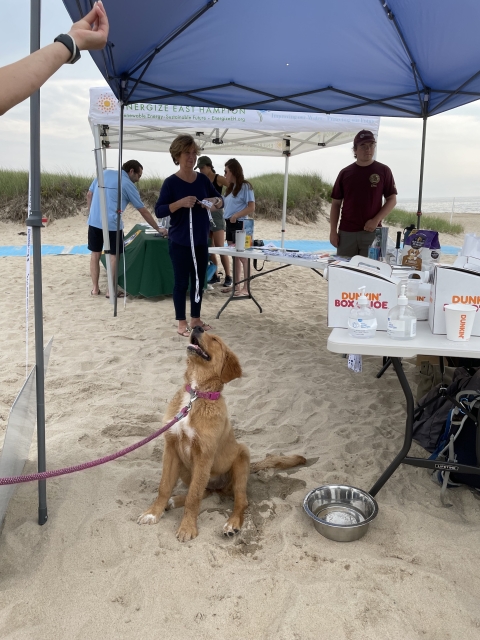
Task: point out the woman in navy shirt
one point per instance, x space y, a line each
181 192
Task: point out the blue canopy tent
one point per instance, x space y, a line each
401 58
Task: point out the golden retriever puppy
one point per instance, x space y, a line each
201 448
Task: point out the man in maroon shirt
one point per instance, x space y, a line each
360 187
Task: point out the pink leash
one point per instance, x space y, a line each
43 475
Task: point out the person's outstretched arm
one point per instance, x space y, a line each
20 79
147 216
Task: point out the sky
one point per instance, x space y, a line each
451 159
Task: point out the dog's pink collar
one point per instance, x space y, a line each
205 395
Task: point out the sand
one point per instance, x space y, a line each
92 572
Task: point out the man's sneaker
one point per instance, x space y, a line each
214 279
228 282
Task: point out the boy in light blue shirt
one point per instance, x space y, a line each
131 173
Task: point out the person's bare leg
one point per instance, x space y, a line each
238 268
228 288
219 241
95 271
213 256
241 289
113 266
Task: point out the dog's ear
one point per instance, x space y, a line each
231 367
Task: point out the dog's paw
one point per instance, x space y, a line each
186 532
148 518
231 528
170 504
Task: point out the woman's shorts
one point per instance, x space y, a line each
231 228
218 223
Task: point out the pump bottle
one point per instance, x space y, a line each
362 322
402 322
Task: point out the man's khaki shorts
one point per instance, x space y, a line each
354 243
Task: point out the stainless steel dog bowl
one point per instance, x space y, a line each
340 512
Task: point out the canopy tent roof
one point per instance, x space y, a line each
150 127
404 58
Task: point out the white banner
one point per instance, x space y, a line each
152 127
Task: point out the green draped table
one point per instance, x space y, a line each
149 268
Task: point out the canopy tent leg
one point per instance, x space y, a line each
422 163
285 192
103 207
119 201
34 220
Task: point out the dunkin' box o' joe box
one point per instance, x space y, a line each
344 281
457 283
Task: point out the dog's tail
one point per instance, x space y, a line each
277 462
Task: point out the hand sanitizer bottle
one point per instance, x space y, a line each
362 322
402 322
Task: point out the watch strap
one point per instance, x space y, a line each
67 40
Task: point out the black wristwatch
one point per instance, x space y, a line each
71 45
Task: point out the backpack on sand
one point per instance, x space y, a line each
460 441
433 409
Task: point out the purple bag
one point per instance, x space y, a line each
423 239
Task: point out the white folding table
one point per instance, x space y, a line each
424 343
256 254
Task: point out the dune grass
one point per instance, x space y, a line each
402 218
60 189
14 184
302 187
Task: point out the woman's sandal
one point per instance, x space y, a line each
204 325
185 333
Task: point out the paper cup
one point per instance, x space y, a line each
459 320
240 240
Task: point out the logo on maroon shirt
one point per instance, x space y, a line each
374 179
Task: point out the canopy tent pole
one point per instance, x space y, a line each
34 220
103 207
119 198
426 99
422 163
286 153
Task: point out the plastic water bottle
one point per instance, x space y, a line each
362 322
402 321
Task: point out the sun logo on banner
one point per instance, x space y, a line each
107 103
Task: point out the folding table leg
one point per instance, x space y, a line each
232 293
230 297
248 285
397 461
386 363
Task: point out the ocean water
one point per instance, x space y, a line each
441 205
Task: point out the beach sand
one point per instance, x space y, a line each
92 572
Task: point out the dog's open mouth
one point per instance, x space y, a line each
196 348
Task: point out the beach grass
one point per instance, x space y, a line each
302 187
14 184
402 218
60 192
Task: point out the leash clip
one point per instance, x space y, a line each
193 397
